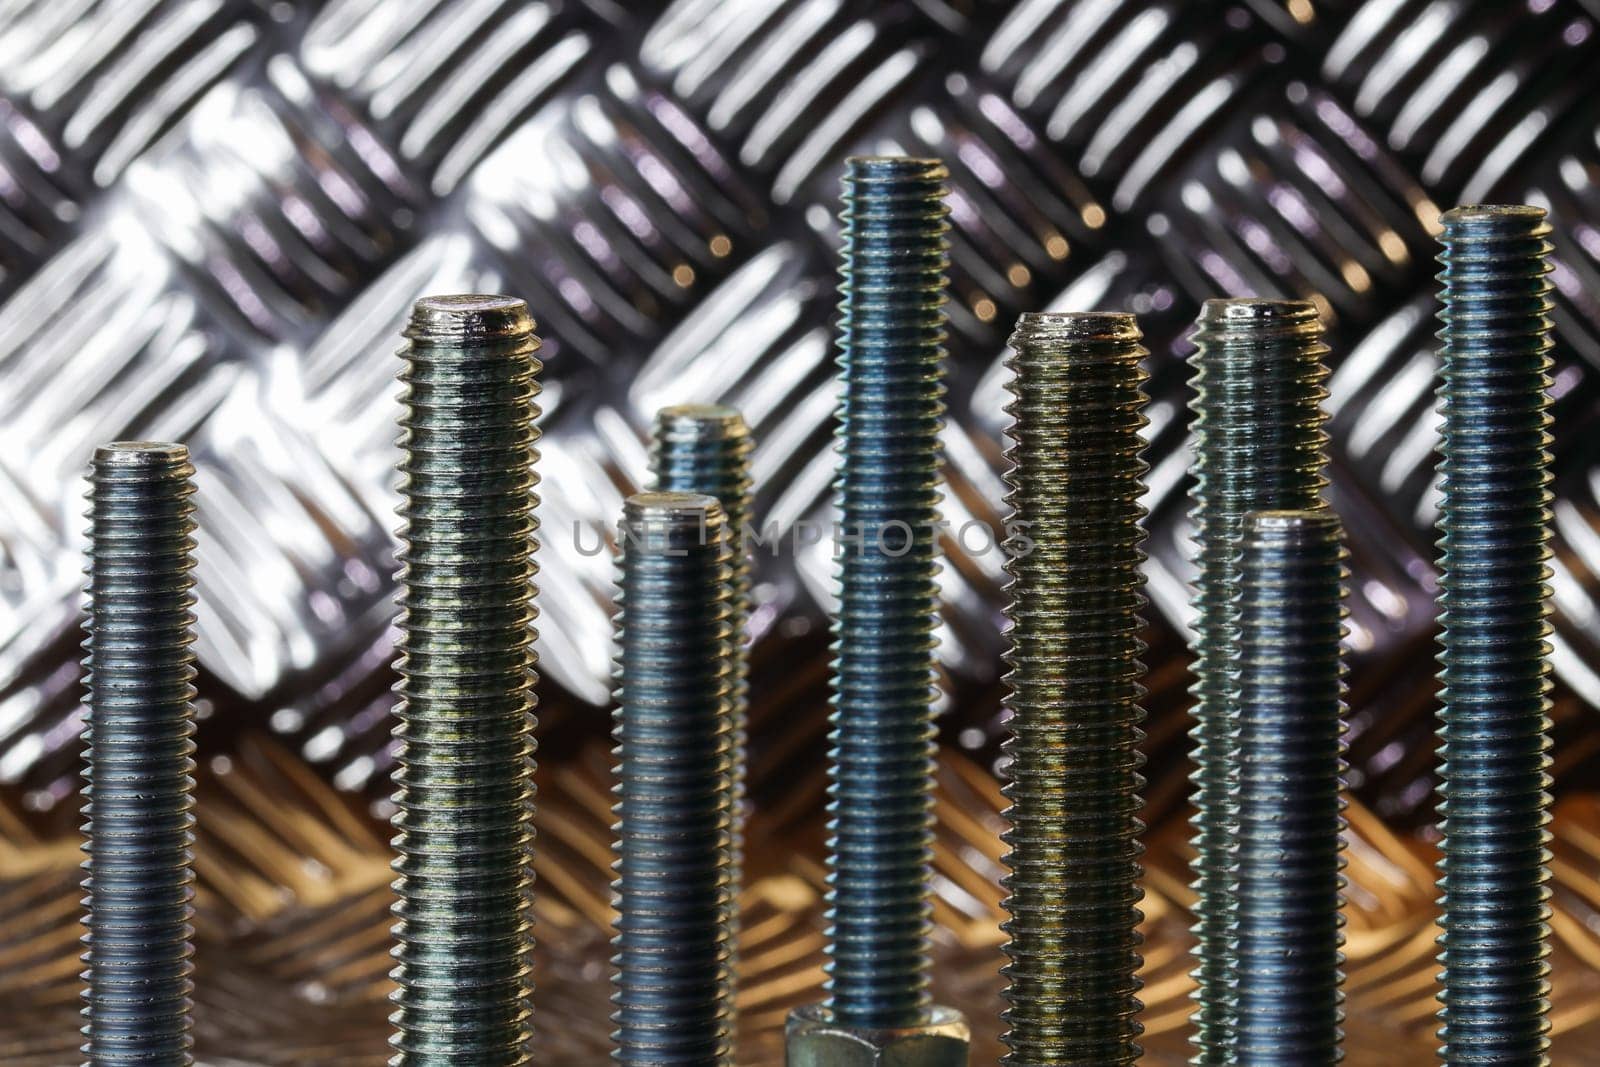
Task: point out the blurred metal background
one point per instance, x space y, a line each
214 213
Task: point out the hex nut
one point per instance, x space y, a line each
813 1040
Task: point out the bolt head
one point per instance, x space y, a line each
814 1040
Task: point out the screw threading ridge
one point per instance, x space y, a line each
1291 742
1494 532
881 762
705 448
1259 439
674 733
1076 481
139 793
463 784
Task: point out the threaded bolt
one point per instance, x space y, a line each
138 815
1076 480
1259 440
890 415
705 448
1291 612
674 733
1494 532
464 780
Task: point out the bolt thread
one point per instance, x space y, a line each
705 448
1494 534
1291 749
881 761
1259 444
138 748
1076 481
674 750
464 777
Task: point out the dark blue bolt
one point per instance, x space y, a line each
1494 606
890 415
1291 671
674 732
705 448
464 780
1076 481
138 818
1259 440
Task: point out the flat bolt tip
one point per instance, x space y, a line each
1256 309
694 416
1067 326
657 504
140 453
1308 527
467 318
869 168
1493 212
1288 518
469 303
894 161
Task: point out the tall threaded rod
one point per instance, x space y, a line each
1494 528
705 448
1259 439
1291 621
890 414
1076 480
674 732
464 783
138 820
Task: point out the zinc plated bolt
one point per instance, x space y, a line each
705 448
1291 671
674 749
1494 607
464 779
890 415
1259 440
138 816
1076 481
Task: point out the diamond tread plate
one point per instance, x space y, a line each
214 214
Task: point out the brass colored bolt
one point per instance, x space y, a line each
1076 481
464 783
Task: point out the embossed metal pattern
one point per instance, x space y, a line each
215 214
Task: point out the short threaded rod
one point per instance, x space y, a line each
1494 606
890 415
674 733
1291 622
1259 440
1076 481
138 815
464 781
705 448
